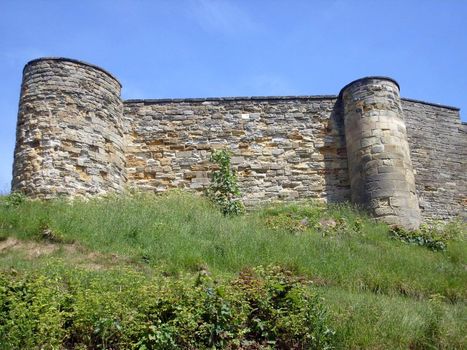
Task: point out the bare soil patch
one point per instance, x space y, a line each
76 254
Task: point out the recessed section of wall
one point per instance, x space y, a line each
438 147
69 134
381 173
283 148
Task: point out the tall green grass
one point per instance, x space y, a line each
383 293
368 321
182 232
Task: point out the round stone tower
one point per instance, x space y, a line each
381 174
69 134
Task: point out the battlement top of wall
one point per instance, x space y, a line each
240 98
150 101
228 98
376 77
430 103
72 60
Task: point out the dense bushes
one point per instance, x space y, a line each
259 309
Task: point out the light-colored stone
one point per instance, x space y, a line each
77 137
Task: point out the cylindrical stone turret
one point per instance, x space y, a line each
69 134
381 174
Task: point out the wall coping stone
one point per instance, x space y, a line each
72 60
378 77
430 103
150 101
234 98
229 98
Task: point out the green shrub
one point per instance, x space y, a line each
223 190
32 312
434 236
310 216
13 199
76 309
284 312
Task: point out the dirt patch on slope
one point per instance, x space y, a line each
30 248
75 253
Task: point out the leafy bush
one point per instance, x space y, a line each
223 190
284 312
434 236
32 312
13 199
300 217
261 308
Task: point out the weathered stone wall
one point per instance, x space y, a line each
283 148
438 148
381 173
75 136
69 135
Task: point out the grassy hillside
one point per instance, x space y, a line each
376 290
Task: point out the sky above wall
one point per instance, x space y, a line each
206 48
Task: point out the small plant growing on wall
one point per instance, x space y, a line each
223 190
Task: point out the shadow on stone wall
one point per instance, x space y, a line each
336 174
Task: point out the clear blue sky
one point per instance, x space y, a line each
200 48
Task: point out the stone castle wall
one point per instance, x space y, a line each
69 137
397 157
438 145
282 148
381 173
